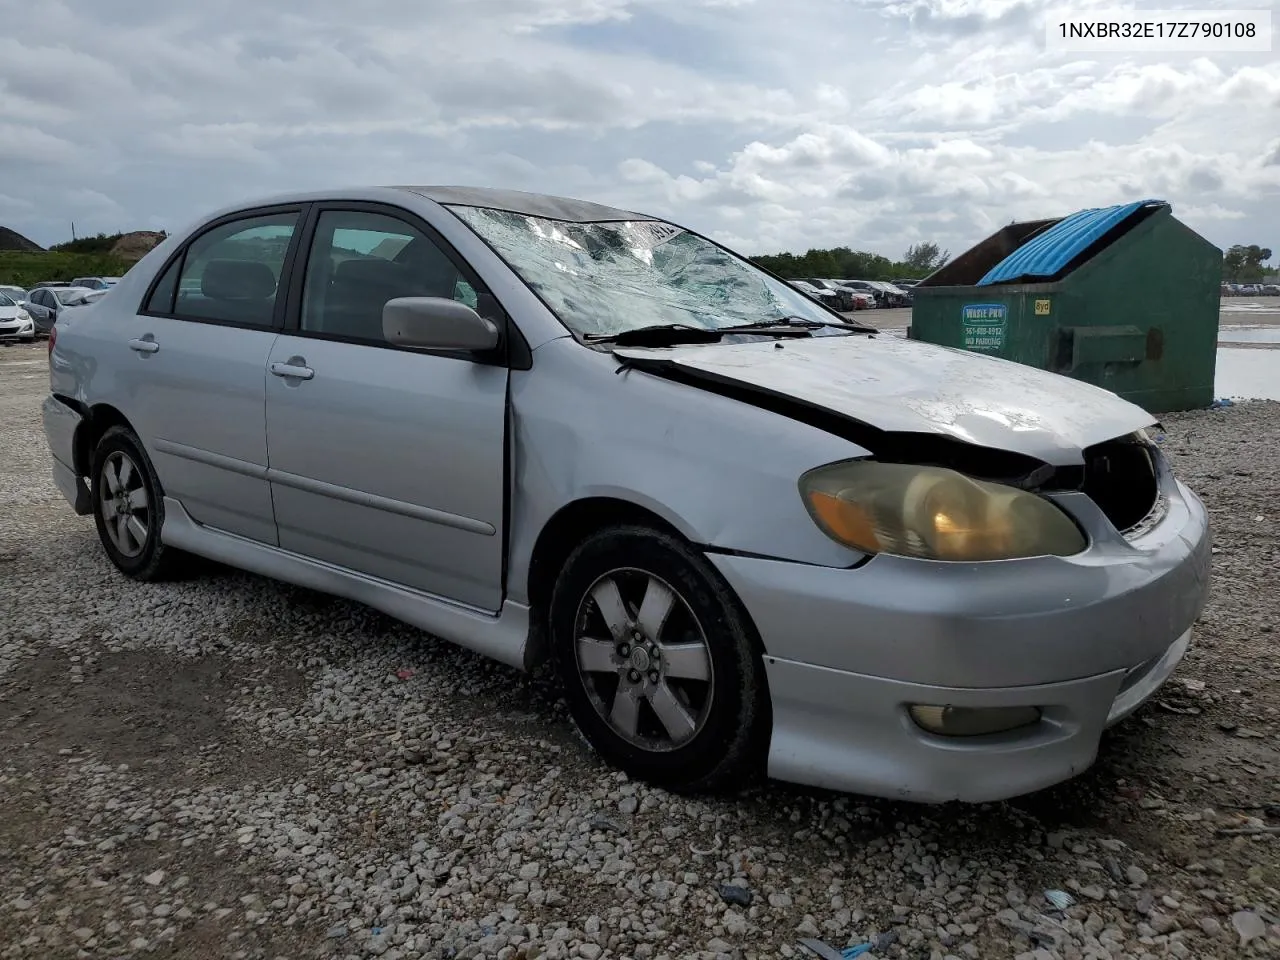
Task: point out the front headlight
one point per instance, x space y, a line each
933 513
23 315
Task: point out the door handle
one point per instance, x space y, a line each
291 371
143 345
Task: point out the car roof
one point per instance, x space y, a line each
530 204
512 201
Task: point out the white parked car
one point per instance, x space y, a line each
15 322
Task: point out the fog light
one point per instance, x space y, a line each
972 721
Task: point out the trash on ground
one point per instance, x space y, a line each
1222 402
828 952
1059 898
820 949
732 893
601 822
1248 925
404 673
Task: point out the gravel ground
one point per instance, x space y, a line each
230 767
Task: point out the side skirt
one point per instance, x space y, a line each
503 637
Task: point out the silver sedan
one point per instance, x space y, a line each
751 536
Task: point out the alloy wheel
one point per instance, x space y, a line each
126 508
644 659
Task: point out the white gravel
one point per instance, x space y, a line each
236 768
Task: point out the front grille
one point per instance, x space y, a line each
1121 477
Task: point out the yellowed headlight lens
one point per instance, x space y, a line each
934 513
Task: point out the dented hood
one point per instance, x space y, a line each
904 386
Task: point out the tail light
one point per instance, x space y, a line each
53 337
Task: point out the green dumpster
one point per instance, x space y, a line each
1123 297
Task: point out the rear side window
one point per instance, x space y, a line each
161 300
231 274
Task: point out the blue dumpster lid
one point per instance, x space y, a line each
1047 254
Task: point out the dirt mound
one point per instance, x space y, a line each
136 245
12 240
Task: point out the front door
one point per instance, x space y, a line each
386 461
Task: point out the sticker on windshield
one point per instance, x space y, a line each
654 233
984 326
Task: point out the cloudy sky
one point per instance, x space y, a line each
771 124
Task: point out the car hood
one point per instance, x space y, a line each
8 313
905 386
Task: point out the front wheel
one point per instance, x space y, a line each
128 508
659 664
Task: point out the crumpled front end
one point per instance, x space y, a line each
859 659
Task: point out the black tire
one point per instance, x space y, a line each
152 560
728 745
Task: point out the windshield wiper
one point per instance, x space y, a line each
793 325
670 334
656 335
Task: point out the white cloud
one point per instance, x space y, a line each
856 122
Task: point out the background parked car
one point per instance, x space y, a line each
865 287
95 283
825 297
844 296
862 300
857 299
15 322
894 296
45 305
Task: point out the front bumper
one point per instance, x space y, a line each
845 731
1087 639
25 330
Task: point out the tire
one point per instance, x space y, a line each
128 508
695 717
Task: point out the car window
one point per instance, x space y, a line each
608 277
231 273
161 299
5 301
359 261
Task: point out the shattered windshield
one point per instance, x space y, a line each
605 278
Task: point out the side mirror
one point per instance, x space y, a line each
434 323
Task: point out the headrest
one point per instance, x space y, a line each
237 280
370 272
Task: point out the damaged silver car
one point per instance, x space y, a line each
749 535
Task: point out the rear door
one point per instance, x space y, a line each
387 461
195 369
38 307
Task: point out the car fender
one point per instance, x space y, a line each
723 473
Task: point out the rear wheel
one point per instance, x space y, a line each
658 663
128 508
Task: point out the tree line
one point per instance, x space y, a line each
844 263
1245 264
